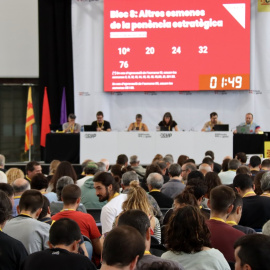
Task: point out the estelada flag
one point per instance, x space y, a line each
46 119
30 120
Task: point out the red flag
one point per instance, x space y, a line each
30 120
46 119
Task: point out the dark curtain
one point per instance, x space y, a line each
55 54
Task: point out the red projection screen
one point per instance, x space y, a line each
157 45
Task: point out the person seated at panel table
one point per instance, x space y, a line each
138 125
208 126
71 126
101 124
168 123
253 127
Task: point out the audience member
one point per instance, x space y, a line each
257 184
8 189
122 160
225 164
192 250
235 215
228 176
256 209
208 160
127 178
175 185
265 166
25 227
45 214
52 169
212 180
137 199
243 169
221 205
89 171
20 185
31 169
217 167
71 196
186 169
254 165
13 174
106 162
242 157
63 242
57 206
182 159
108 190
101 166
157 157
155 182
126 255
264 183
140 221
64 169
12 251
135 165
252 252
2 163
164 170
3 177
195 174
204 168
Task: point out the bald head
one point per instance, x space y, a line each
106 162
20 185
205 168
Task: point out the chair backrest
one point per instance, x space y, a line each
95 214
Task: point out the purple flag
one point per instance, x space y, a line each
63 117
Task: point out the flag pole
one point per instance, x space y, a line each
29 152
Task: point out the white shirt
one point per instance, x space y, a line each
81 181
227 177
110 211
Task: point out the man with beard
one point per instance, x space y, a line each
107 189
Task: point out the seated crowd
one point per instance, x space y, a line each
166 216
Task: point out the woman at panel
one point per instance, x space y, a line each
168 123
138 125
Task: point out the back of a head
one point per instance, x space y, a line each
254 251
156 180
234 164
212 180
127 177
13 174
136 219
70 194
2 160
8 189
237 202
5 207
154 167
221 197
168 159
64 232
242 181
210 153
265 181
255 161
197 187
180 236
133 159
39 182
186 198
101 166
46 205
266 163
31 200
132 245
118 170
64 169
137 199
190 166
195 174
204 168
242 157
208 161
182 159
243 169
162 164
190 161
122 159
61 183
53 166
91 168
266 228
225 164
20 185
175 170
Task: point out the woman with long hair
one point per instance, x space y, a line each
168 123
137 200
187 238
